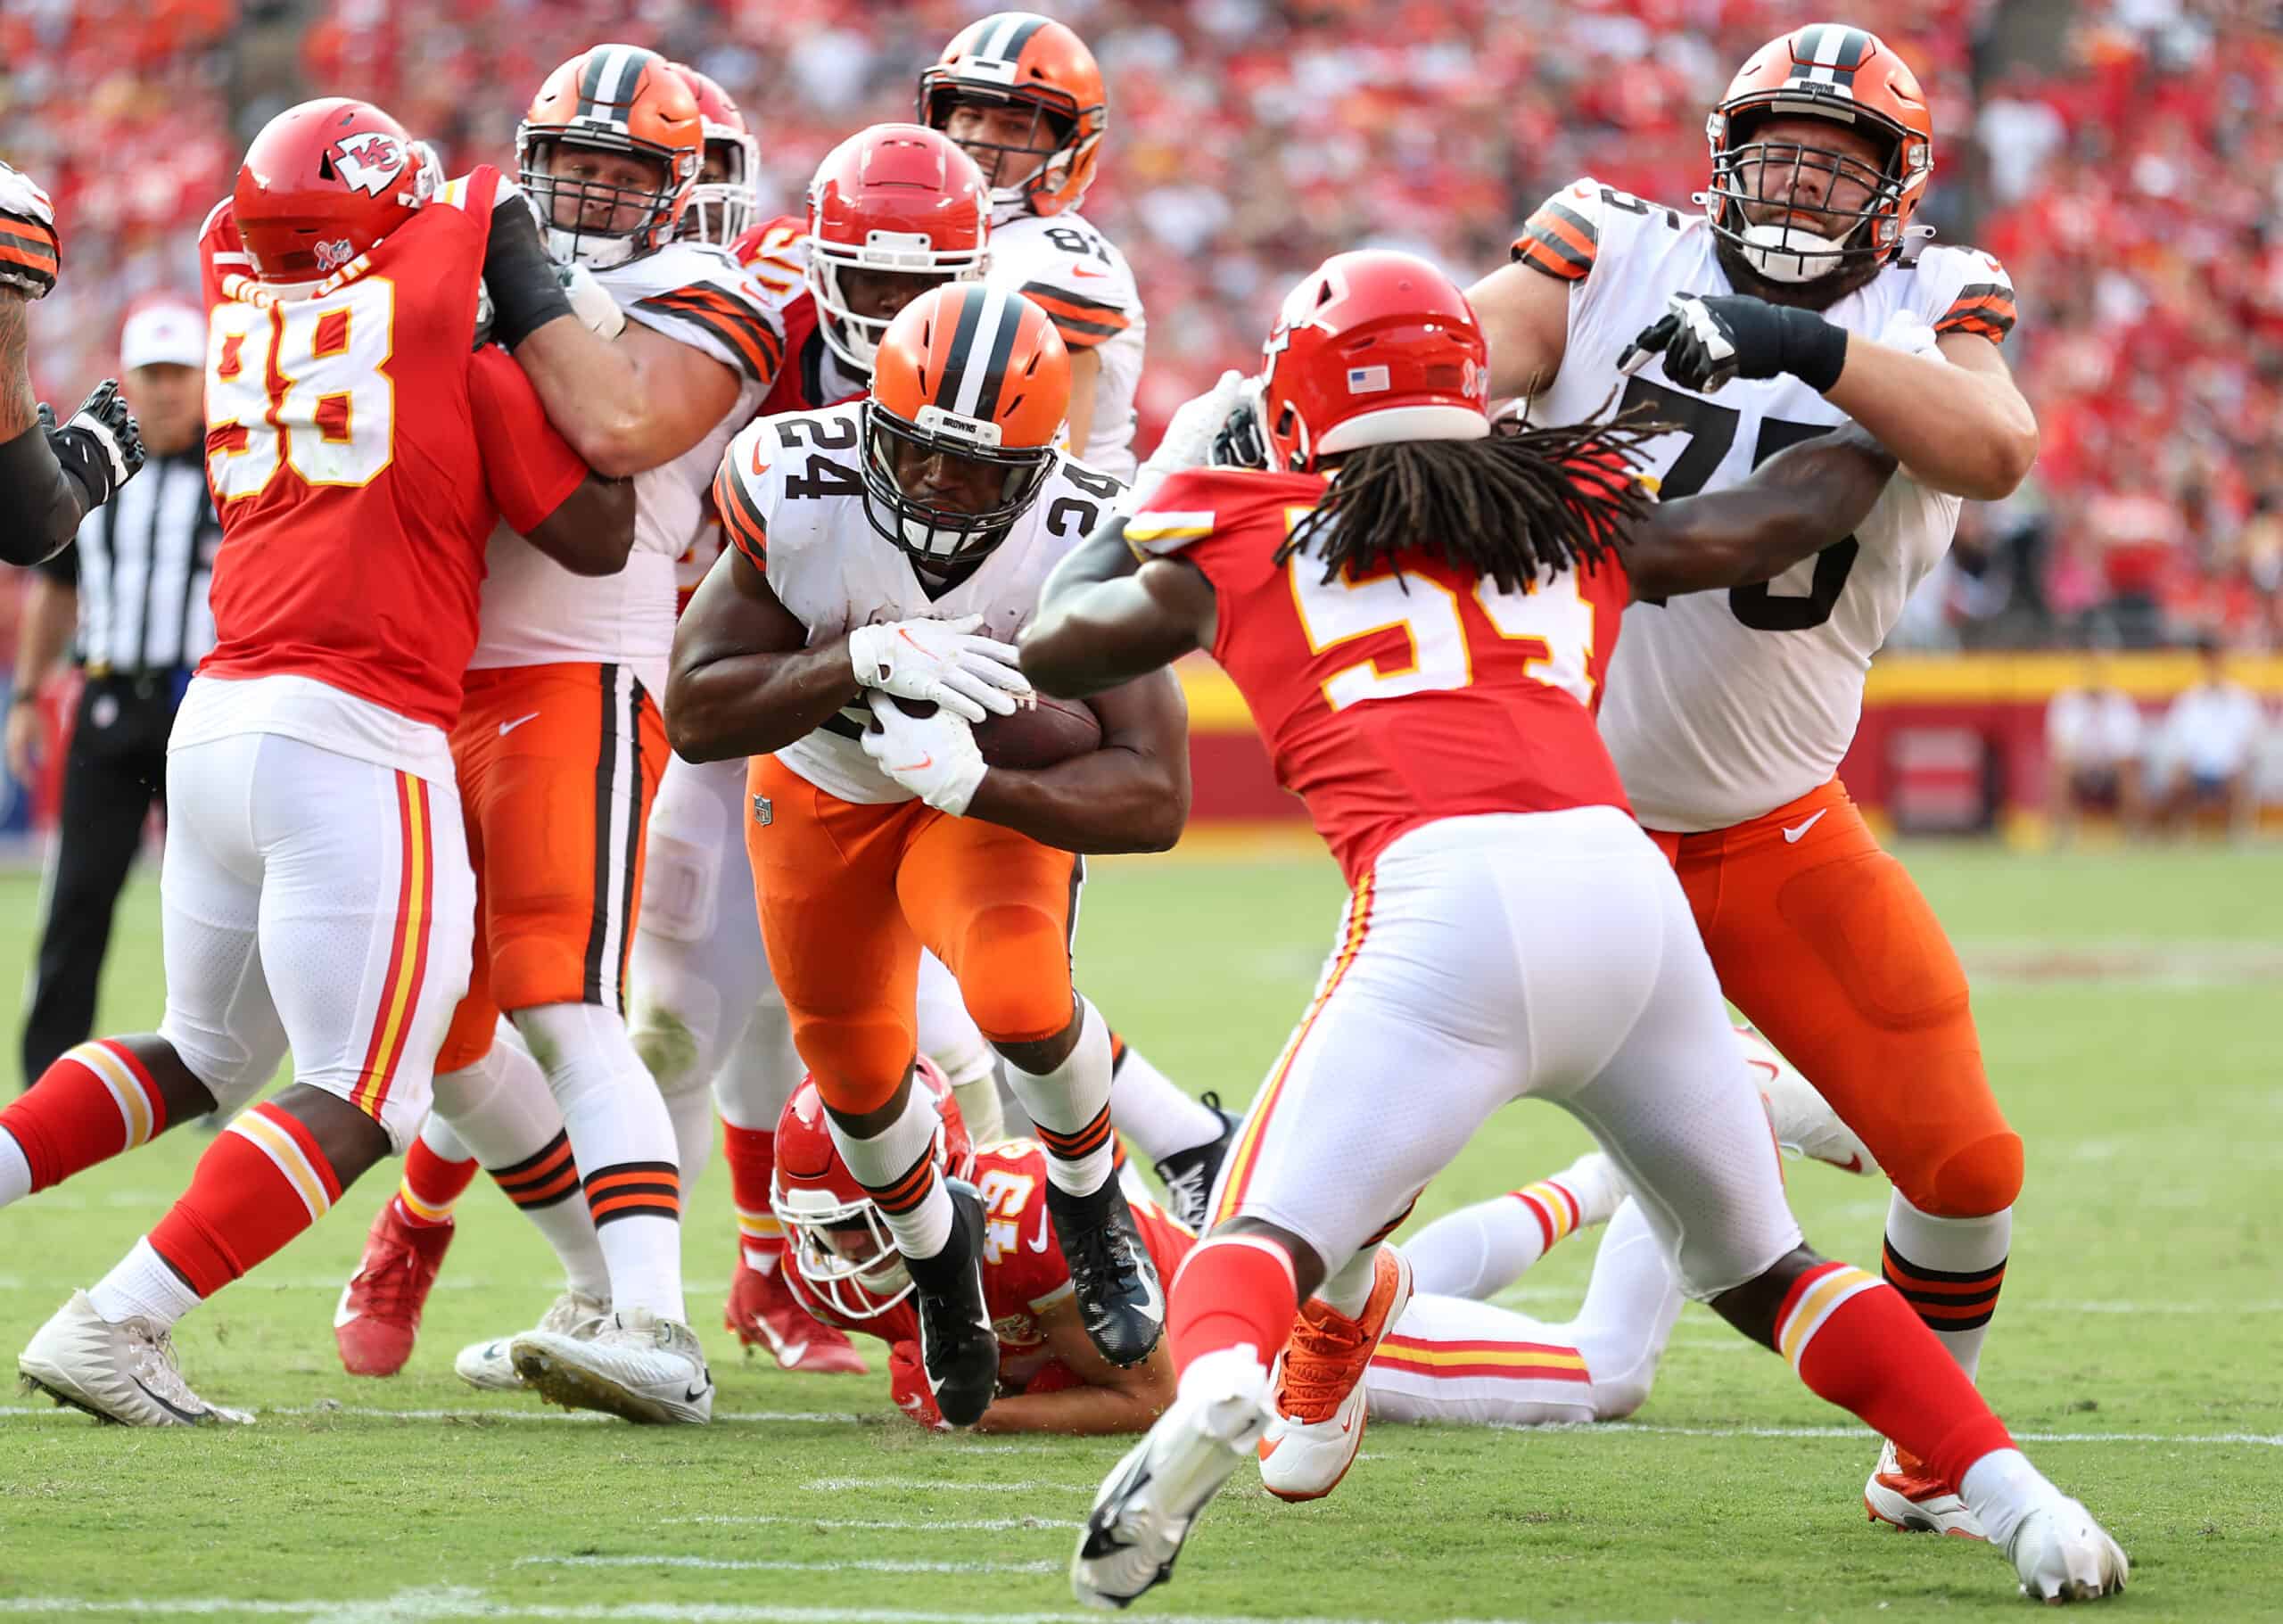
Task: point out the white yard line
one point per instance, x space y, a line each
437 1606
728 1564
896 1525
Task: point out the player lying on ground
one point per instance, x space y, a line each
1452 1358
316 897
1419 612
1800 295
50 478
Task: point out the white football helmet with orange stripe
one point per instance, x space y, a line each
607 113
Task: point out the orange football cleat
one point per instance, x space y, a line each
1318 1387
1903 1495
765 1313
379 1313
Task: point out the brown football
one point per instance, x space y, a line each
1042 732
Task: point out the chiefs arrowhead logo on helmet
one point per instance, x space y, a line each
367 161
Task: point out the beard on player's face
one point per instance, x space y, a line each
1815 175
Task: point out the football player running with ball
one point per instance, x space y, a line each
884 551
316 897
1801 297
1422 613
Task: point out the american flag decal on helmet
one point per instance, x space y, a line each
1828 55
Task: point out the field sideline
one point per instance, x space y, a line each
2128 1004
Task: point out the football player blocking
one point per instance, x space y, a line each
1802 296
316 897
1426 611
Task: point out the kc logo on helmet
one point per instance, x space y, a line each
367 161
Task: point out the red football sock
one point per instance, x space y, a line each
1231 1290
752 1154
432 1186
1857 1344
92 1103
262 1182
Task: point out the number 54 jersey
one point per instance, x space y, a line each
792 501
1724 705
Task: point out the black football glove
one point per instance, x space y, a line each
1709 338
29 256
1240 442
102 446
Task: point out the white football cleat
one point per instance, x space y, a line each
1902 1493
125 1373
1317 1386
2064 1555
489 1367
1804 1121
1151 1497
636 1365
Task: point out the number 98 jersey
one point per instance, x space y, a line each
792 501
1395 700
1725 706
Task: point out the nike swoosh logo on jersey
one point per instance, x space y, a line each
1791 835
506 728
1081 271
758 466
1045 1234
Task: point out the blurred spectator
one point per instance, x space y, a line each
2094 741
2207 745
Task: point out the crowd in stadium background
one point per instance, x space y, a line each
2124 158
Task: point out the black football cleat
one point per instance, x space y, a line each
1188 1176
957 1345
1118 1296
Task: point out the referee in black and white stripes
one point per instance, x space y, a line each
130 599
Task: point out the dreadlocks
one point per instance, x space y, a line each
1521 504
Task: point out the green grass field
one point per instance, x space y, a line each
2128 1007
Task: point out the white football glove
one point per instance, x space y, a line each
1188 442
936 757
594 307
940 661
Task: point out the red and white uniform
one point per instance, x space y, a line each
1510 931
1024 1271
316 891
1724 705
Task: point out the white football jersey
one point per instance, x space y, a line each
797 481
537 613
1078 277
1722 706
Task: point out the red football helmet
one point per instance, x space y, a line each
1374 346
720 210
896 198
834 1234
322 183
1845 76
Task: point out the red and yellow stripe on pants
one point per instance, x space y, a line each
1507 1360
1245 1157
408 948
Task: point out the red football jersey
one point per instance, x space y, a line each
1024 1271
775 253
360 450
1402 697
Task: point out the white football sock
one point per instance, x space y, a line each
619 1129
1631 1304
1918 1241
1067 1101
442 1140
922 1227
2001 1490
15 1172
1156 1118
691 1113
141 1283
1480 1250
1348 1289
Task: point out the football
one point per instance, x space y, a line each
1041 732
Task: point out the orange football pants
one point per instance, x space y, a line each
1825 942
848 894
557 766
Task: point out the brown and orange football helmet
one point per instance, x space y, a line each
612 98
1020 59
721 209
969 379
1845 75
896 198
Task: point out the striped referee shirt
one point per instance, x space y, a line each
142 563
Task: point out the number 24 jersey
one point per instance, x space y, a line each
1725 706
792 501
1402 697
